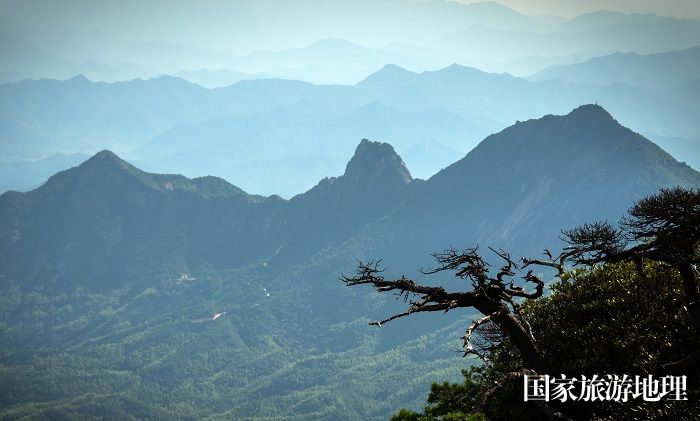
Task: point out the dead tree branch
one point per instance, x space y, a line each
491 295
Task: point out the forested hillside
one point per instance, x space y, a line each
112 277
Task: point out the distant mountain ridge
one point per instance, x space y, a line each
383 23
503 49
604 18
291 133
666 70
524 183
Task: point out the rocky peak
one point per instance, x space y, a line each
593 113
376 163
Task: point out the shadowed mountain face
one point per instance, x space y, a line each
93 263
375 168
375 181
518 187
105 220
108 220
521 186
375 176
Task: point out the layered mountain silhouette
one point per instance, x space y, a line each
106 220
518 188
277 136
135 285
330 59
509 35
100 220
665 70
590 35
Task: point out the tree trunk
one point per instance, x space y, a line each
690 287
517 334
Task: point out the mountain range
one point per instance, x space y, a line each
110 274
182 186
295 132
419 35
667 70
213 220
109 47
493 49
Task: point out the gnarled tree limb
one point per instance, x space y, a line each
490 294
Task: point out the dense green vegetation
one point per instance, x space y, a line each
155 352
609 320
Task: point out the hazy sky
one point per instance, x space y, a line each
570 8
190 34
259 24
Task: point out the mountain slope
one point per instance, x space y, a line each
119 223
518 188
542 174
375 181
107 221
121 270
110 275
